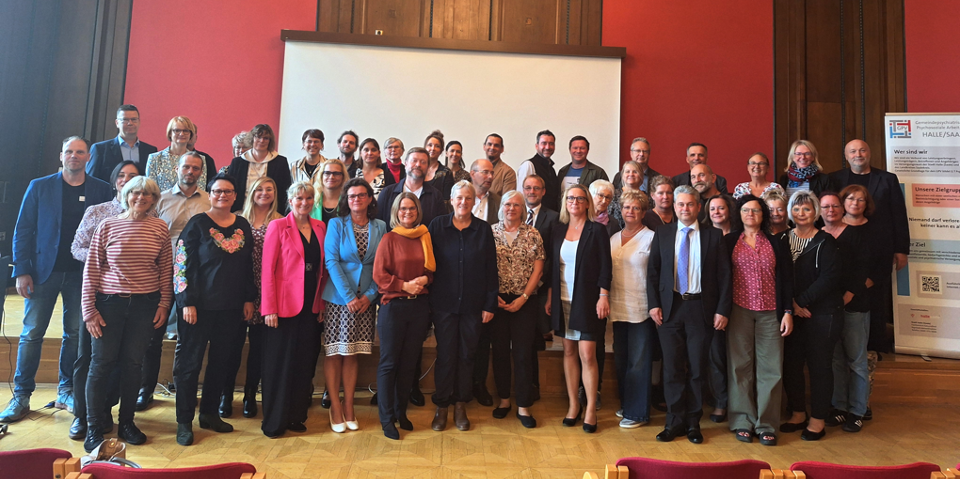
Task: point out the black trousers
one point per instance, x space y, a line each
401 325
812 343
129 321
539 344
456 353
881 306
481 364
518 329
718 368
150 371
685 339
288 371
81 368
254 360
220 329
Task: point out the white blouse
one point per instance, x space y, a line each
628 291
568 269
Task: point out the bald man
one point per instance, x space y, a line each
696 155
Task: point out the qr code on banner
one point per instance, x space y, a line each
930 284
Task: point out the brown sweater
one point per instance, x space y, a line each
399 259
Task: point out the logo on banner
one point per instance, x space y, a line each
900 129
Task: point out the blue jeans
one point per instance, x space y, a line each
633 356
37 313
851 380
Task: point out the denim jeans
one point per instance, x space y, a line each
851 382
37 312
633 356
129 323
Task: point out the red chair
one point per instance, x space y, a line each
825 470
31 463
644 468
232 470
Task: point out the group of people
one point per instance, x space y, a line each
730 296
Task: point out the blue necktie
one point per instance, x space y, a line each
683 262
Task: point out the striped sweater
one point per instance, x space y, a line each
128 257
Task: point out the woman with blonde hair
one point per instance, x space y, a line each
803 171
162 166
328 183
259 210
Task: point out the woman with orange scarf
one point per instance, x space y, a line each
403 268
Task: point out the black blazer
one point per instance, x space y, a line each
430 202
818 184
493 209
105 156
716 279
278 169
783 272
594 270
890 215
546 221
817 275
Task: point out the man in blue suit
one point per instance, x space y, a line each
105 156
49 216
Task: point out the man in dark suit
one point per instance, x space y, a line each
415 166
488 202
697 154
689 290
890 225
106 155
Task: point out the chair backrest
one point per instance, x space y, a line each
231 470
825 470
644 468
31 463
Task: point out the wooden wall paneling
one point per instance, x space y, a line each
328 13
783 103
591 24
463 19
531 21
572 34
496 20
393 17
109 67
852 79
347 15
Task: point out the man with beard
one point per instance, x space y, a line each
542 165
705 182
347 143
415 166
697 155
504 178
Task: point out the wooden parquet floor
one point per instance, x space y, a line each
493 448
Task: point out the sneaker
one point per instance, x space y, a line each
64 401
854 423
17 409
836 418
630 423
620 413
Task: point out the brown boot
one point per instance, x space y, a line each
440 419
460 416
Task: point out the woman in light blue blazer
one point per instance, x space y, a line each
350 295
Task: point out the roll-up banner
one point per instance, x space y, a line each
923 150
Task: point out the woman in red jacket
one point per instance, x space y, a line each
291 282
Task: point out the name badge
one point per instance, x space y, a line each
83 198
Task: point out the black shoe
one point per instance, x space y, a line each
853 423
695 436
325 400
718 418
589 428
106 425
793 427
390 431
128 431
868 415
94 438
416 397
568 422
213 422
668 435
373 399
78 430
808 435
836 418
483 397
226 405
528 421
744 435
184 434
768 438
143 400
501 412
405 423
297 427
250 404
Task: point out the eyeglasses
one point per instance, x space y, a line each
177 131
605 197
394 147
751 211
222 192
805 154
753 163
576 199
358 196
484 172
408 209
856 200
831 207
140 193
532 188
646 152
332 173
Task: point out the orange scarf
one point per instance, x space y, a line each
420 232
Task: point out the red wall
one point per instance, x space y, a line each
933 50
218 63
696 71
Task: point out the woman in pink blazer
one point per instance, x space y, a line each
292 284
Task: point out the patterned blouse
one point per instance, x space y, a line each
515 258
754 275
258 235
743 189
162 168
460 175
91 220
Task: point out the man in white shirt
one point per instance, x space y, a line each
488 202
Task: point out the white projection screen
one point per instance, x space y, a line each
383 92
